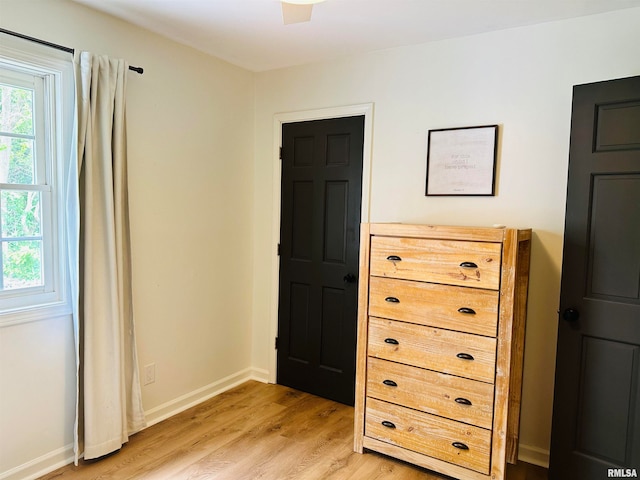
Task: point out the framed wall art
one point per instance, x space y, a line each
462 161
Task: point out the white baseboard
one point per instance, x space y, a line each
40 466
59 458
260 375
180 404
534 455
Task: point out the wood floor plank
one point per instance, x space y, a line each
255 432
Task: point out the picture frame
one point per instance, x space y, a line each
462 161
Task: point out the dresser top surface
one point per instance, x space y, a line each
449 232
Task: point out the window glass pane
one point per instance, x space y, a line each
21 264
16 160
20 214
16 110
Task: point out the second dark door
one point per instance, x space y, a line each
319 245
596 411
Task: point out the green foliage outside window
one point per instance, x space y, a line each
20 208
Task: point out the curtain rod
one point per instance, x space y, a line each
139 70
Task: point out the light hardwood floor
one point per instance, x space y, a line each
255 431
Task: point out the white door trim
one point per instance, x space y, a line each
365 109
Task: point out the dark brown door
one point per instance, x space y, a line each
319 244
596 411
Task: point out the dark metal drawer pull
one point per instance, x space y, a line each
390 383
460 445
465 356
468 265
392 300
391 341
394 258
388 424
467 310
463 401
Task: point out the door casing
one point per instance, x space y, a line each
365 109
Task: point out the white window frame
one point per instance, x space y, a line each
53 70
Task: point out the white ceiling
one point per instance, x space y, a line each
251 34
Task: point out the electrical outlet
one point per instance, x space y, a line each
149 373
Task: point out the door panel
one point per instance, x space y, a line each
302 199
596 416
319 248
607 397
298 334
333 301
614 260
615 129
335 210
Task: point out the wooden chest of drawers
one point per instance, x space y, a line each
441 320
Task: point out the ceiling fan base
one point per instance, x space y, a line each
294 13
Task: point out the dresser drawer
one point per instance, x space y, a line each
444 395
454 308
461 354
424 433
468 264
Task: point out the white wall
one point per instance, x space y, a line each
519 78
201 178
190 120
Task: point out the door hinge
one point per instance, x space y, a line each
278 249
280 153
277 343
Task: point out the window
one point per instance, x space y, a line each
25 189
34 149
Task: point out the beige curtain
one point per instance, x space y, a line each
109 406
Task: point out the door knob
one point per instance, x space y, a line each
570 315
349 278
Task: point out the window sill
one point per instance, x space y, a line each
34 314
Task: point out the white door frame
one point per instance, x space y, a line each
365 109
